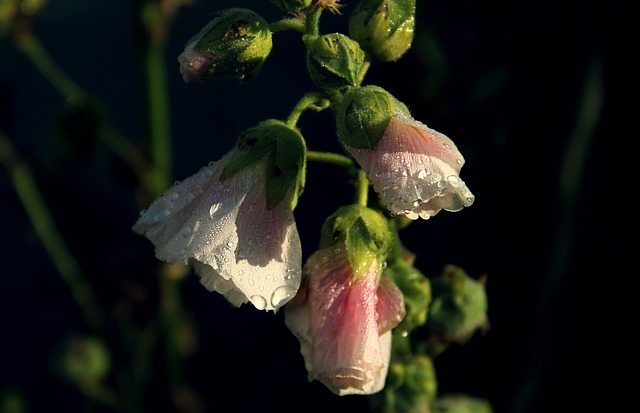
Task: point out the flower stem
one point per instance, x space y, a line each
29 44
288 24
363 188
312 25
312 100
330 157
53 242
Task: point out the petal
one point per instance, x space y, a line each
390 306
346 353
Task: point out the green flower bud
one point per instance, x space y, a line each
84 360
417 293
460 403
335 61
384 28
363 116
364 231
285 152
292 5
235 43
459 305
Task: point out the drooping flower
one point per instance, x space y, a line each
233 220
413 168
344 313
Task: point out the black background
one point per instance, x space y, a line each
530 91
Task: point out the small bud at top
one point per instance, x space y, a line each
235 43
363 115
384 28
335 61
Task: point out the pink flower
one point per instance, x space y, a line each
344 324
415 169
237 245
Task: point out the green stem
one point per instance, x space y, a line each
331 158
363 188
312 25
288 24
53 242
159 116
29 44
312 100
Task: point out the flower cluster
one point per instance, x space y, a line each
233 221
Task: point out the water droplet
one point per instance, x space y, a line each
446 145
174 197
417 203
242 253
182 252
453 180
186 231
281 295
214 208
259 302
207 173
251 282
261 288
459 161
405 173
159 216
230 244
423 174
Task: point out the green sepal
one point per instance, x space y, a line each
384 28
363 231
284 151
335 61
459 305
363 115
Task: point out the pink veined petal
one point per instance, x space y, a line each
390 306
415 170
346 352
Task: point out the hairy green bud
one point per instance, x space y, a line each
384 28
363 116
335 61
459 305
235 43
416 289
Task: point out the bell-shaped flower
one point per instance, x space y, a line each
344 313
413 168
233 220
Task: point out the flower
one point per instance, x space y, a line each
344 324
234 223
415 169
344 313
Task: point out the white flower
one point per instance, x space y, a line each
237 245
415 169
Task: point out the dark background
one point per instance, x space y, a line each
536 95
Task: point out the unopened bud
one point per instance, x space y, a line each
384 28
335 61
416 290
459 305
459 403
84 360
363 116
235 43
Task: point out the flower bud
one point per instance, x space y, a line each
384 28
235 43
363 115
84 360
292 5
459 305
364 231
416 290
335 61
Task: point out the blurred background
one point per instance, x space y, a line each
535 94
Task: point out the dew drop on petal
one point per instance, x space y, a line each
230 244
259 302
186 231
422 174
453 180
159 216
251 282
213 209
281 295
174 197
